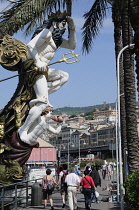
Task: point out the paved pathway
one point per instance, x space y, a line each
104 194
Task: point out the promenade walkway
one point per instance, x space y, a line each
104 194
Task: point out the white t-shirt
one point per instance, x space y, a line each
104 167
61 172
109 168
72 180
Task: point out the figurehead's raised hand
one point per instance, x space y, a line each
70 22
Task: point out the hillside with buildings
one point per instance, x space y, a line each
81 136
81 110
96 136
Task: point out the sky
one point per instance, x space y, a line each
92 80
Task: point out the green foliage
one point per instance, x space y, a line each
83 164
89 117
132 189
26 14
78 110
98 162
111 160
72 116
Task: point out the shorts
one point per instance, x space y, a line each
47 194
63 189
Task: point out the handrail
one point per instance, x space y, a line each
9 193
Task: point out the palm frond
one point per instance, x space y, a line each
93 22
26 12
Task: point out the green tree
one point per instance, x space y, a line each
129 90
26 14
94 19
134 14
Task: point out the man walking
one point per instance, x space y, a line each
62 176
73 183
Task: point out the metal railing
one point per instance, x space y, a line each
13 195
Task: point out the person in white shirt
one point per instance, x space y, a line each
104 170
73 183
109 171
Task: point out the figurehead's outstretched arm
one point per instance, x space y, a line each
71 42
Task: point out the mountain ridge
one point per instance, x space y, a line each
79 110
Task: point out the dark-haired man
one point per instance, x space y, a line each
63 190
42 49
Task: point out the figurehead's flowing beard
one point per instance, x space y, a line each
57 36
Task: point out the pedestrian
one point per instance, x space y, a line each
87 169
63 189
109 171
97 167
88 185
78 171
73 183
48 179
104 170
97 180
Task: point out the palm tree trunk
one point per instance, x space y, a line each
116 16
134 18
130 94
69 7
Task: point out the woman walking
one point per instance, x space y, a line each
48 182
97 180
87 183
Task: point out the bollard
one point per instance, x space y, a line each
36 195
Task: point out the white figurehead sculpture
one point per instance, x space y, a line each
41 124
42 49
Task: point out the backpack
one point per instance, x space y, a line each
65 173
48 185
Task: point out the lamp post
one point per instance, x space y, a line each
117 158
68 151
80 150
68 155
119 126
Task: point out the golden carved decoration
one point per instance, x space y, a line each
3 147
18 114
11 172
2 123
57 14
11 52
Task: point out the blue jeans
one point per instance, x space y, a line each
88 197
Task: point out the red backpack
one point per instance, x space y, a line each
65 173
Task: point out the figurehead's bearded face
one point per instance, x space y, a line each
59 30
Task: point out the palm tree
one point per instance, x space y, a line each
116 17
127 79
134 14
130 96
28 13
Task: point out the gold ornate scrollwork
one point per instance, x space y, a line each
11 172
17 108
11 52
2 124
